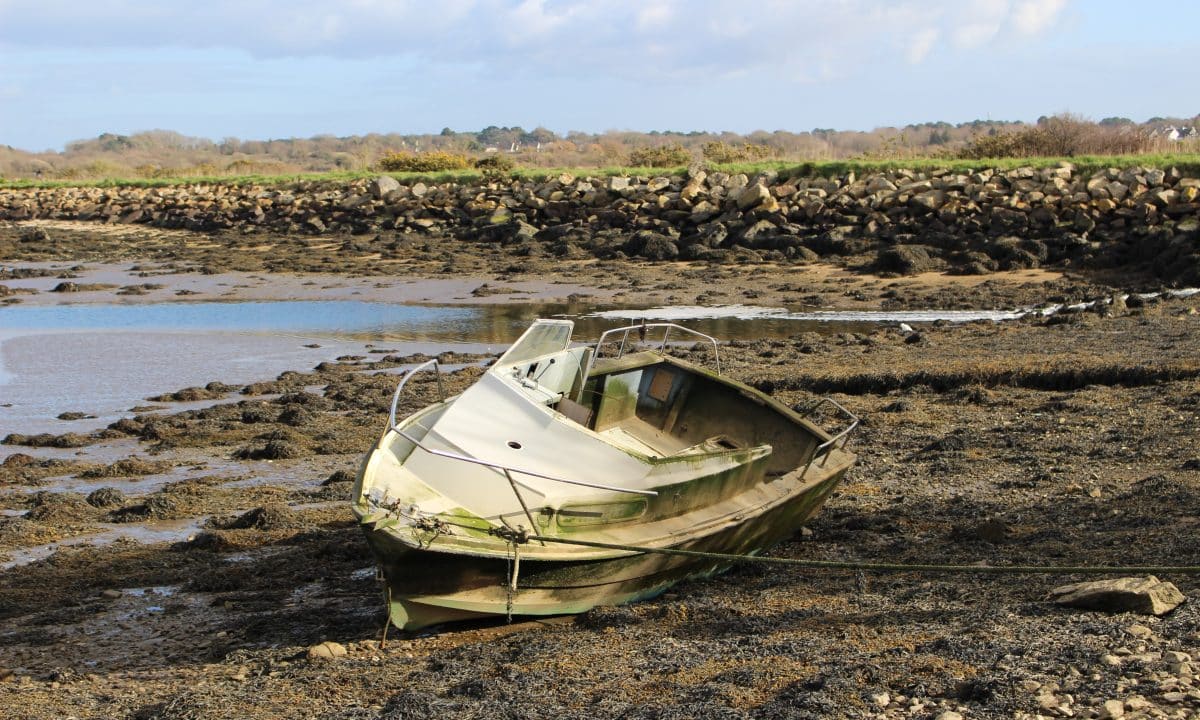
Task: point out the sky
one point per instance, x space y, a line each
262 69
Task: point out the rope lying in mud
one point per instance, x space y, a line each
889 567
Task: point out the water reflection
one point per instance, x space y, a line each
359 320
104 359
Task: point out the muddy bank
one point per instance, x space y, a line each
976 447
441 270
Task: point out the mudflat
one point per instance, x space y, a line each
229 553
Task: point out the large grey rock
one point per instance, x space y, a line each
1145 595
704 210
658 184
753 196
383 185
880 183
928 201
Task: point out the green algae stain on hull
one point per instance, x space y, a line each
678 458
465 587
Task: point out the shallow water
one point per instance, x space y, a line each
103 359
340 317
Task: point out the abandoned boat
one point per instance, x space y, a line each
472 505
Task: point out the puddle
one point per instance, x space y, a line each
754 313
319 318
105 453
749 313
159 590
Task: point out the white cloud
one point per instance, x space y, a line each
921 44
979 21
636 38
655 14
530 20
1033 16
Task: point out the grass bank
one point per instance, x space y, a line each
1186 163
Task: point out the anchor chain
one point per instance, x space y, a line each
514 538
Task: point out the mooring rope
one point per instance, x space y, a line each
885 567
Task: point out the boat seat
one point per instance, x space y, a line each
574 411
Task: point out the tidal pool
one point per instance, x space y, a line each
103 359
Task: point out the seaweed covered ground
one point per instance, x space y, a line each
204 563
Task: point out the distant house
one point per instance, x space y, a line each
1175 134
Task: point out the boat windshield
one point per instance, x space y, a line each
543 338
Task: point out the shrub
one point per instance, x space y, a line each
431 161
672 155
723 153
496 166
1059 136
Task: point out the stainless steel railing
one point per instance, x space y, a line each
641 330
838 441
437 369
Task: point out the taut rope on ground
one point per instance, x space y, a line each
889 567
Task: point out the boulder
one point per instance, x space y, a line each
1003 220
756 197
703 210
651 245
879 183
327 650
927 201
905 259
315 224
658 184
382 185
1145 595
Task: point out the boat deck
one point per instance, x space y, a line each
641 437
637 435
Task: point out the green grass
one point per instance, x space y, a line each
1087 164
1189 164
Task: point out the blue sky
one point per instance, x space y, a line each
259 69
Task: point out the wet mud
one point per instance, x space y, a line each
1069 440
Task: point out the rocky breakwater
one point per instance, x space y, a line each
898 221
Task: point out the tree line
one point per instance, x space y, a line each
165 153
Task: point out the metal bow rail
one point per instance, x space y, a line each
838 441
437 371
641 330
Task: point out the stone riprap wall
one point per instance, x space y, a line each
896 221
